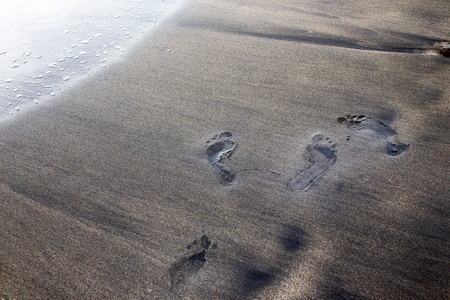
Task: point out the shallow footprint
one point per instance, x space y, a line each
190 263
221 148
364 123
321 155
355 123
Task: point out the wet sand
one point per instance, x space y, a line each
210 164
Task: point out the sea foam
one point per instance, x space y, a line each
46 45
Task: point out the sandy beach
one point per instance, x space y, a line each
259 150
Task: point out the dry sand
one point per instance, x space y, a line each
108 192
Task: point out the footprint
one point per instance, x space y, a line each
190 263
220 149
321 155
361 123
364 123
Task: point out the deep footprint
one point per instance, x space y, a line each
190 263
221 148
321 155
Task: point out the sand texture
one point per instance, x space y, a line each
246 150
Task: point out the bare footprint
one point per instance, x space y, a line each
220 149
361 123
191 262
321 155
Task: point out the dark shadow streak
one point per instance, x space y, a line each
332 41
255 280
107 219
294 239
340 294
306 37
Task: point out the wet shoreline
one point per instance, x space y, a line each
47 48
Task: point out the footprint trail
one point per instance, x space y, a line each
320 154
